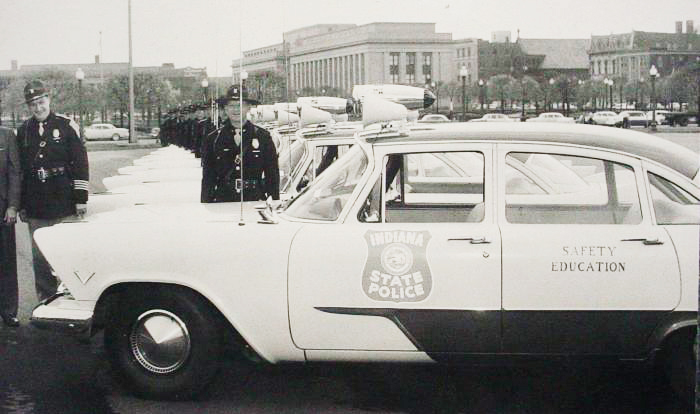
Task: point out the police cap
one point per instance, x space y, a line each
34 89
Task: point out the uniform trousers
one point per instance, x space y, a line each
8 271
44 281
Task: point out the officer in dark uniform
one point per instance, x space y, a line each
203 127
240 166
55 174
10 186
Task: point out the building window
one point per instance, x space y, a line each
394 67
411 68
428 66
469 52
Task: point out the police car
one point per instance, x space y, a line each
460 241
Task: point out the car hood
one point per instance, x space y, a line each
194 245
165 211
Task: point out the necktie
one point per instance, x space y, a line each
41 129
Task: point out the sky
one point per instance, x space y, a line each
210 33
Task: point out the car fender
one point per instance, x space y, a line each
241 270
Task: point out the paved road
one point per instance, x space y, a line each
41 372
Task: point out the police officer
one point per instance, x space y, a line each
54 174
9 204
240 166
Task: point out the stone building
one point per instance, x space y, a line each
630 55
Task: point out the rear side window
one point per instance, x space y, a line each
429 187
672 204
564 189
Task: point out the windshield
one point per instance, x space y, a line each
326 197
288 160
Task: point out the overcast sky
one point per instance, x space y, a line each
207 33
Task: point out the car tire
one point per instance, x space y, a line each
115 137
176 369
679 364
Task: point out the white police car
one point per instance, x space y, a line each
458 241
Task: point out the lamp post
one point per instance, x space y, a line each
580 101
205 89
522 90
653 73
551 84
481 94
437 97
609 83
463 72
80 75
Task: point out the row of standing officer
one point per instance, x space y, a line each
187 128
238 161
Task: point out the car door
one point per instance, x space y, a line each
412 266
585 271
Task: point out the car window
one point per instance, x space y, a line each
437 187
672 204
563 189
288 159
325 198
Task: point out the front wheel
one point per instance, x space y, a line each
115 137
163 344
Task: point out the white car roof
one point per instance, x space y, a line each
658 149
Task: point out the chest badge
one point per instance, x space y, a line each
397 269
255 143
56 135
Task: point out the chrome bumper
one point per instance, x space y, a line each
64 314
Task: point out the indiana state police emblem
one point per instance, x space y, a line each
396 268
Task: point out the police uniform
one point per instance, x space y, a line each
9 198
55 176
247 171
255 156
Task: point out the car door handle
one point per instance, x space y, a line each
472 240
645 241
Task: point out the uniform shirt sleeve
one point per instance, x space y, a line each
78 165
271 167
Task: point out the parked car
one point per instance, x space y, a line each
494 117
607 118
552 117
431 118
634 118
660 116
154 132
409 235
105 131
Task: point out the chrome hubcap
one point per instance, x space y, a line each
160 341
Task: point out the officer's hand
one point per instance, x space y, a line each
10 216
80 209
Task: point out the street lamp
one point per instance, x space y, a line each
522 88
463 72
551 84
609 83
80 75
437 97
481 94
205 87
653 73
